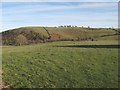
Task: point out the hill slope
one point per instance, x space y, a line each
57 65
33 35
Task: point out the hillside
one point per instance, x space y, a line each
64 64
83 58
33 35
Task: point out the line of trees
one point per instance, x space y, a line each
67 26
72 26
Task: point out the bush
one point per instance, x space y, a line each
21 40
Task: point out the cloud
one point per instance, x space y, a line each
52 14
38 8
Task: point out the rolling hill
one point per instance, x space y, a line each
34 35
83 57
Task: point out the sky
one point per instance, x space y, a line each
60 0
93 14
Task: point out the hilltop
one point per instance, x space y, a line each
33 35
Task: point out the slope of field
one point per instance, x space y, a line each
33 35
83 57
57 65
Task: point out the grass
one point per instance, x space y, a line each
47 66
69 32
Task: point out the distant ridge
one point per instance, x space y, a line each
34 35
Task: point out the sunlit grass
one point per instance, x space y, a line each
45 65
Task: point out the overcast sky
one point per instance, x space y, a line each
94 14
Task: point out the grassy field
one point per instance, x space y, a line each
62 64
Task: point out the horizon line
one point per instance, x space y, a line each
55 26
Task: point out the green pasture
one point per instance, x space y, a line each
61 64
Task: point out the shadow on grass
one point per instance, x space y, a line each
92 46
